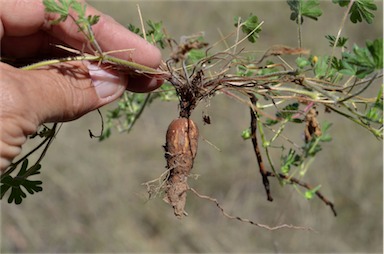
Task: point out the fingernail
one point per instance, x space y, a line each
106 83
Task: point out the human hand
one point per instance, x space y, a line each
63 92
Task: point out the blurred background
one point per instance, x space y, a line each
94 201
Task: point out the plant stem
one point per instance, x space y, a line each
140 111
338 35
103 59
279 131
299 26
263 139
376 133
14 165
50 139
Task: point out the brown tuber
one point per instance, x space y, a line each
180 152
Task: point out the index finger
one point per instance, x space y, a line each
28 18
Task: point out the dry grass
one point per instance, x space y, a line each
93 200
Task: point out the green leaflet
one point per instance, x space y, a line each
18 184
360 10
302 8
250 27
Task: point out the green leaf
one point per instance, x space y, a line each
34 170
289 160
343 67
250 27
194 55
62 8
18 183
288 111
156 33
92 20
325 138
32 186
78 7
45 132
6 184
342 3
53 6
321 70
376 50
128 111
16 195
360 10
130 107
23 169
168 92
325 126
270 122
309 194
375 111
243 71
302 62
304 8
375 115
364 61
311 148
106 134
134 29
340 42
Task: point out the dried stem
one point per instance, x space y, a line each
263 171
265 174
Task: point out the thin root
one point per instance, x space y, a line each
247 220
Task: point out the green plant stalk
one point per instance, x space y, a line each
279 131
138 67
140 111
377 133
52 135
354 112
310 94
313 86
265 146
379 94
88 34
312 149
305 166
102 58
92 38
314 190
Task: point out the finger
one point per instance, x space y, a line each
54 94
36 46
110 35
59 93
21 17
144 84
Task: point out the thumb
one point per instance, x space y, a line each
68 91
55 94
